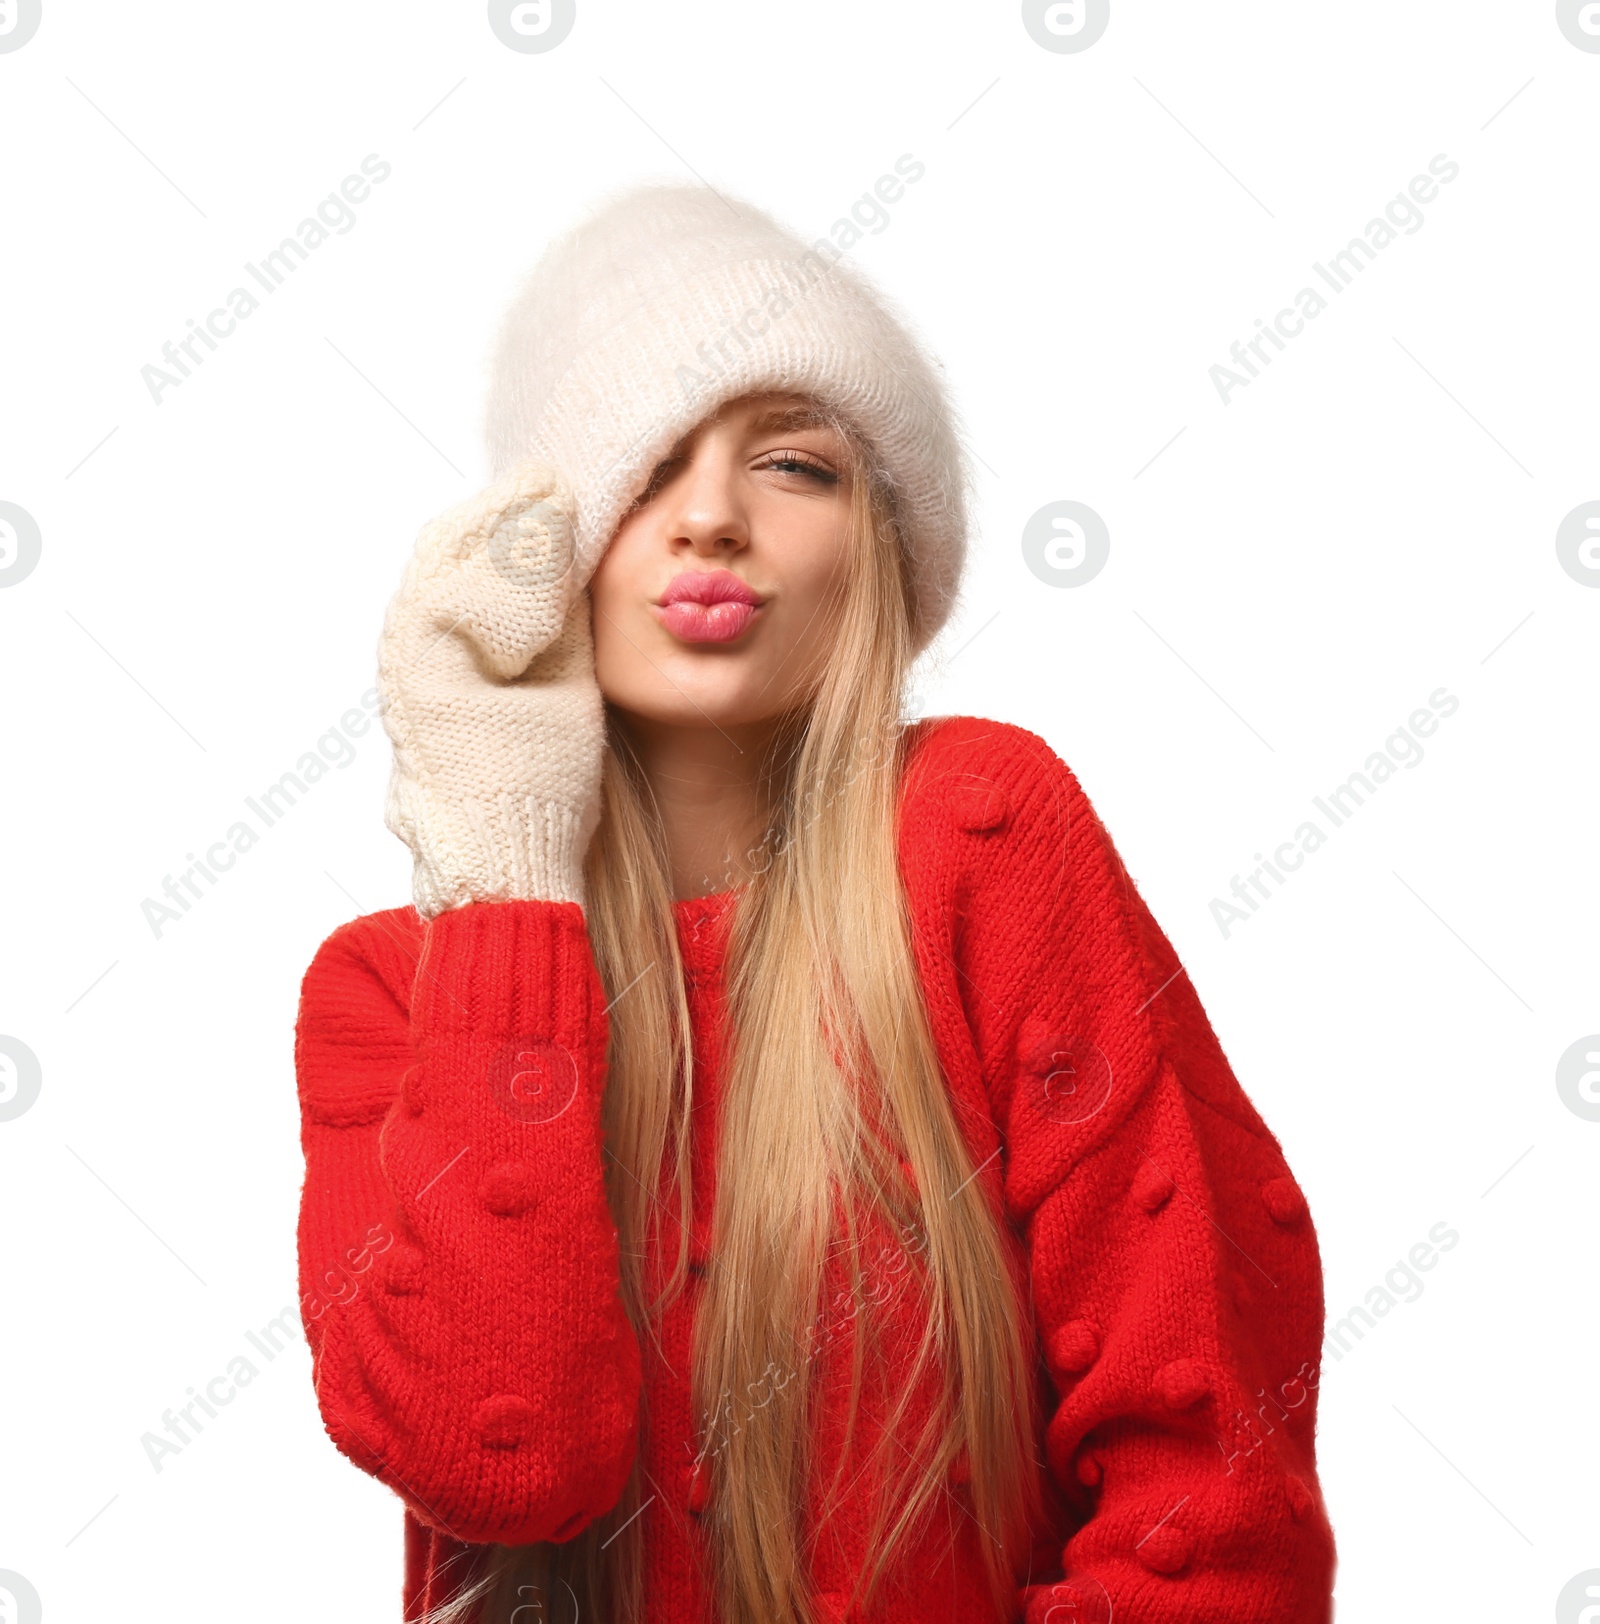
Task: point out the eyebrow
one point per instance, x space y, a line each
781 419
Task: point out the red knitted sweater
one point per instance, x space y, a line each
459 1267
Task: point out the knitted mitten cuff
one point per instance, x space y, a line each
492 849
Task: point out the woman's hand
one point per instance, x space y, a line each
486 669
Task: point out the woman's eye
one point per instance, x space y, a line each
788 462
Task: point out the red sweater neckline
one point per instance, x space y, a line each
702 924
710 901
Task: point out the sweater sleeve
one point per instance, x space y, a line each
1176 1281
459 1267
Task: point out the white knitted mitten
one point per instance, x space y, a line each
486 672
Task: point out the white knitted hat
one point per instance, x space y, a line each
670 300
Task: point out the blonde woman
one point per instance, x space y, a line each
777 1171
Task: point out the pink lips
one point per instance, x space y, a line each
707 606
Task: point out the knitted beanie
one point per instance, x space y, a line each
669 301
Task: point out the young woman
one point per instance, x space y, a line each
777 1172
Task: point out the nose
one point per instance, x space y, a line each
704 513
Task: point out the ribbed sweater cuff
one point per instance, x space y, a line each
508 969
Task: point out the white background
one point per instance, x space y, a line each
1372 519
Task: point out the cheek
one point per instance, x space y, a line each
610 578
616 658
614 594
814 565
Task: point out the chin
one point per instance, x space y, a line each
723 699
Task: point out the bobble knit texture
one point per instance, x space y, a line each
669 301
460 1271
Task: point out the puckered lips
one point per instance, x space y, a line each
707 606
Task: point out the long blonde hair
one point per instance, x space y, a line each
832 1089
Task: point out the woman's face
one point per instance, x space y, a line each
715 603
